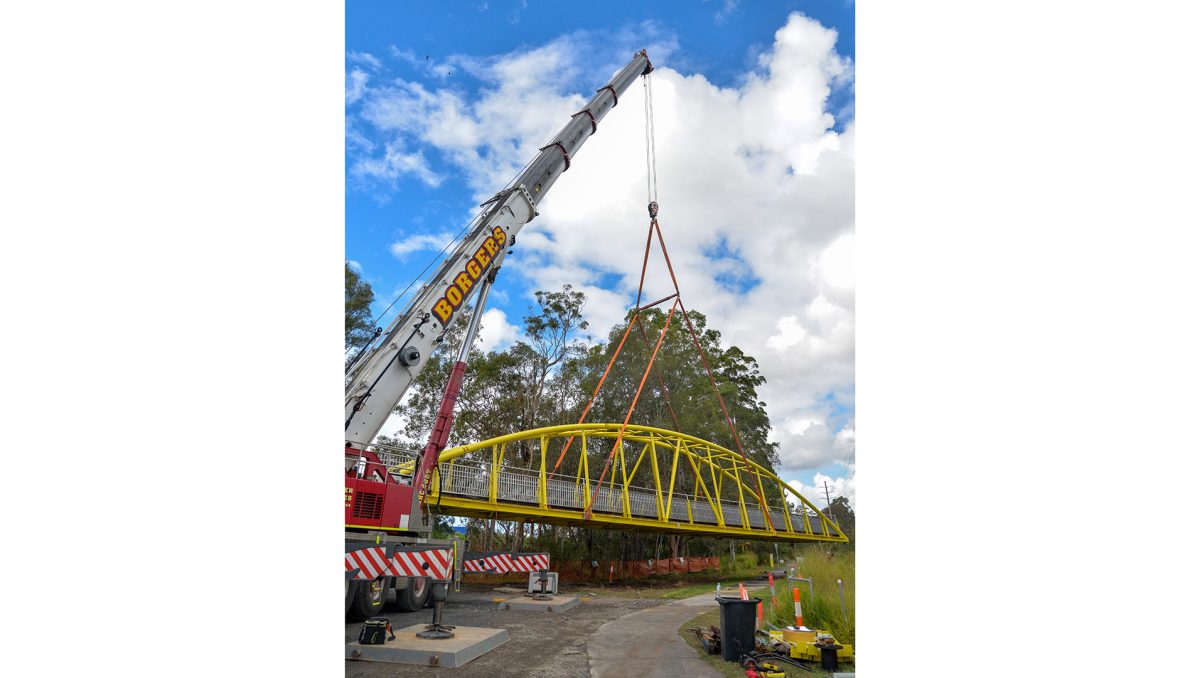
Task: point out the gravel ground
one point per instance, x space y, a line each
541 644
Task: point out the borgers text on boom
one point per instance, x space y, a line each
463 282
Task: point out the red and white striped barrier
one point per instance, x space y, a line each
531 563
503 563
372 562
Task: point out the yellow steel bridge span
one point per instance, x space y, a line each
659 481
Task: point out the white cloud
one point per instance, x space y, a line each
490 137
356 85
495 332
754 170
514 17
354 265
807 440
841 486
430 67
834 271
728 7
364 58
419 243
394 163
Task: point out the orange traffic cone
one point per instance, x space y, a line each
799 612
742 591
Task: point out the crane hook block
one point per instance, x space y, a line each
653 207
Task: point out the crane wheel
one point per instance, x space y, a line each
367 599
351 589
413 597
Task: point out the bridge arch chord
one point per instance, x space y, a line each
659 481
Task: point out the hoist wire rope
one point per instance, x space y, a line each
653 154
651 157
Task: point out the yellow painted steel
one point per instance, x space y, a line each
733 484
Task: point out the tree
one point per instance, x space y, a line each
485 407
843 514
359 296
548 335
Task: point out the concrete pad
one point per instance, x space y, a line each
468 643
555 604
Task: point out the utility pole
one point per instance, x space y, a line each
829 505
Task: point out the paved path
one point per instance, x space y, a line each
647 643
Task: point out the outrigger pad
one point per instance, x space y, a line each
468 643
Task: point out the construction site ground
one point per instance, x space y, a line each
616 633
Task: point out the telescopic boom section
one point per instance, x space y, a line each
380 378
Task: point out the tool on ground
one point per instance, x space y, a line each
809 644
756 669
710 638
777 657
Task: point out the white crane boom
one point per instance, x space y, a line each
379 379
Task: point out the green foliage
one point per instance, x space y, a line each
359 296
843 514
823 609
746 562
548 377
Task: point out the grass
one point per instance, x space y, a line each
822 610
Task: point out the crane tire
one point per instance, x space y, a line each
413 597
368 599
351 590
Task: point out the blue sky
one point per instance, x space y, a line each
445 101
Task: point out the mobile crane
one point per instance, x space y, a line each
389 555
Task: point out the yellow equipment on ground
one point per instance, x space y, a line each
803 644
